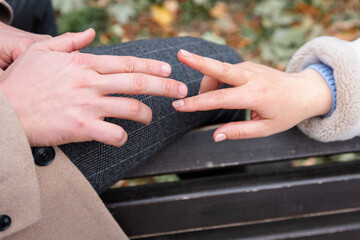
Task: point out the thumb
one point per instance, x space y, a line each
242 130
69 42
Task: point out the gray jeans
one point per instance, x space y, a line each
104 165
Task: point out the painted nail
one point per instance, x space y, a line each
186 53
165 69
182 91
178 103
220 137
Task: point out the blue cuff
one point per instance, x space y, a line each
327 73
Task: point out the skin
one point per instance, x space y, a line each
61 95
277 100
14 42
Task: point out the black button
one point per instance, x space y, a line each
43 156
5 222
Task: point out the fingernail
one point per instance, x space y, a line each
186 53
220 137
178 103
165 69
182 91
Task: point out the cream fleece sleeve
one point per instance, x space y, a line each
6 14
344 58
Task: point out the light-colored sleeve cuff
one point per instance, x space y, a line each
6 13
344 58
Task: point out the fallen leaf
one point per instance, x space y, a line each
161 15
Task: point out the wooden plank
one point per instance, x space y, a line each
238 198
197 151
344 226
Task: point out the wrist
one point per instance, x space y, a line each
318 100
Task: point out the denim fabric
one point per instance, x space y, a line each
33 16
104 165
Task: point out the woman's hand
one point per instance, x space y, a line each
62 96
277 100
14 42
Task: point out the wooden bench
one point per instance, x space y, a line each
244 189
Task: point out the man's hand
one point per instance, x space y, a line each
13 42
62 96
277 100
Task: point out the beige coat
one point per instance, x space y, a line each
51 202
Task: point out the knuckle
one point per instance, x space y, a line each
139 82
26 42
79 59
149 66
227 68
82 82
192 102
47 36
248 74
238 132
127 64
262 89
219 95
247 64
68 34
79 124
135 107
166 86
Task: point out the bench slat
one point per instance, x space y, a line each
197 151
238 198
330 227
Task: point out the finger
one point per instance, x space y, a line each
105 64
1 71
228 98
125 108
224 72
69 42
242 130
108 133
23 44
208 84
138 83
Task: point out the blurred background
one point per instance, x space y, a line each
263 31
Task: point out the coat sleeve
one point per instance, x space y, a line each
344 58
50 202
6 13
19 187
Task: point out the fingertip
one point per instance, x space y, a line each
165 69
219 137
184 55
90 31
178 104
148 118
123 139
183 91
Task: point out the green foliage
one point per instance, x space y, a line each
196 10
83 19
